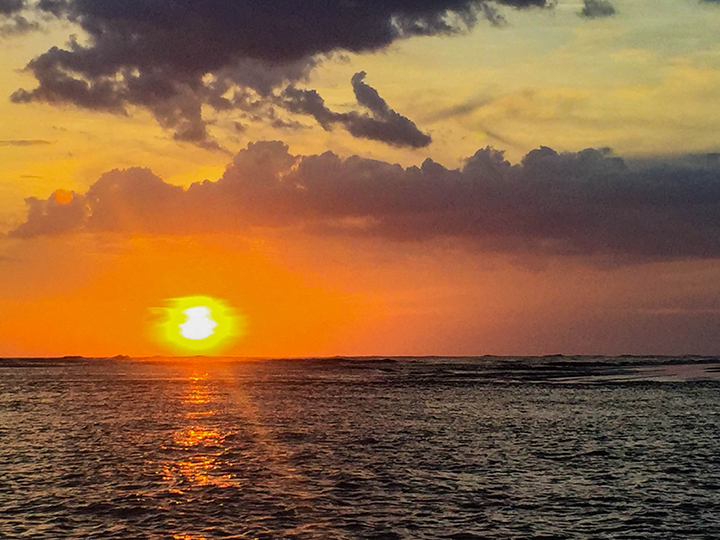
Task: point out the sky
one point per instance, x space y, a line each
368 177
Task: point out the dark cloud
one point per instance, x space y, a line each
583 203
385 124
597 9
524 3
279 123
18 25
129 200
382 124
12 22
200 36
174 57
23 142
8 7
48 217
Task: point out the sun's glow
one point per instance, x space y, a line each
197 324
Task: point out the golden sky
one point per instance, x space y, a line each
367 229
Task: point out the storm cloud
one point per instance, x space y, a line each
578 203
172 58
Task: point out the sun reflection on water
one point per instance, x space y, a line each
209 454
196 435
197 470
201 444
197 396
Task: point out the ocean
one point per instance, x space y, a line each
361 448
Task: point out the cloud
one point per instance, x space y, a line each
173 58
23 142
8 7
577 203
463 109
13 22
597 9
383 124
507 141
18 25
49 217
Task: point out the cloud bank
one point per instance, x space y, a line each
172 58
583 203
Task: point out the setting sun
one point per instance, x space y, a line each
359 269
197 324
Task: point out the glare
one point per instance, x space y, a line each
197 324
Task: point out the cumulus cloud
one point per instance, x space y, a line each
580 203
172 58
48 217
382 124
597 8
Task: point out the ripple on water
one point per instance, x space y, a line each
346 449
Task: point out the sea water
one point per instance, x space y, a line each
372 448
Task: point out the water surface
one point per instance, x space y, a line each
385 448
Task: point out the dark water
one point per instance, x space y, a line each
426 448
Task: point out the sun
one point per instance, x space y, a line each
197 324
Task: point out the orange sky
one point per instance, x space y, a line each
302 296
413 247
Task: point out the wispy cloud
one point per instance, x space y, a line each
24 142
463 109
